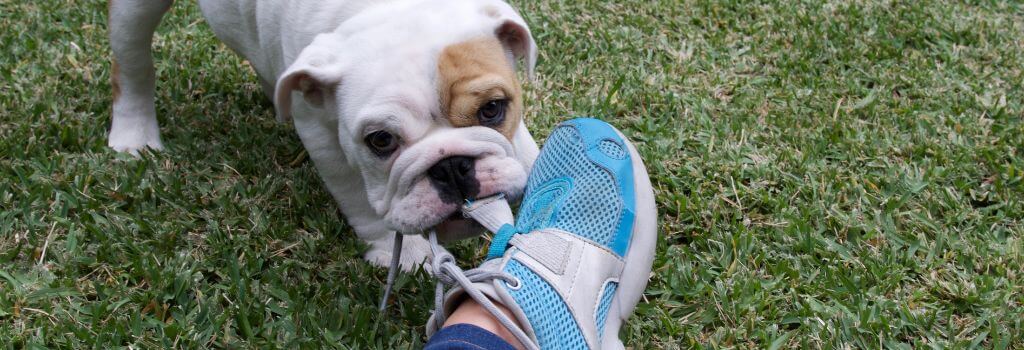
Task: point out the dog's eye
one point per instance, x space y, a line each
492 113
381 142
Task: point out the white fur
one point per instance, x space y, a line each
341 69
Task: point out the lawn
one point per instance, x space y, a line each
828 174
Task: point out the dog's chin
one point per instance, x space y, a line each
456 227
449 224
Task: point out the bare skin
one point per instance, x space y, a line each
471 312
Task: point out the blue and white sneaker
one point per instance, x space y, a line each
577 260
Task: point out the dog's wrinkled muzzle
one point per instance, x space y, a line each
412 164
472 142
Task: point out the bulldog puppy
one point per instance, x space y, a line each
406 107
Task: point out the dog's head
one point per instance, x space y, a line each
427 105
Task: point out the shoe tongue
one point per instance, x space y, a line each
491 212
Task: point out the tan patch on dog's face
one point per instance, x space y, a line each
473 73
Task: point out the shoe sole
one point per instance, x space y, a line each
639 257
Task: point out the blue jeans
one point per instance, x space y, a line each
466 337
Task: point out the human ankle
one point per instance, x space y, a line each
472 313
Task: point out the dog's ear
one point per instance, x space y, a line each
513 33
316 73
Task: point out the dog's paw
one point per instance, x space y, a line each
415 251
134 138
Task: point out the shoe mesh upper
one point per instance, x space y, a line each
548 315
591 206
612 149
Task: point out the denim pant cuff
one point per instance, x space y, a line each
466 337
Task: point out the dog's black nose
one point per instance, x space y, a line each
455 179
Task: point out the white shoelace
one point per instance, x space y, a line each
396 257
448 273
491 213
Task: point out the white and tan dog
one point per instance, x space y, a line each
406 107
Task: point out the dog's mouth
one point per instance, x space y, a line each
422 207
455 217
456 226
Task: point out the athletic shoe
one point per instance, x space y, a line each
577 260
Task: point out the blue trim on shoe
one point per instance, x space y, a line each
593 132
500 241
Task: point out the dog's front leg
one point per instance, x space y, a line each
374 231
415 251
131 26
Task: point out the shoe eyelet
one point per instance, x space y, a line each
519 284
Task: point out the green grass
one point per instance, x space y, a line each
829 175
